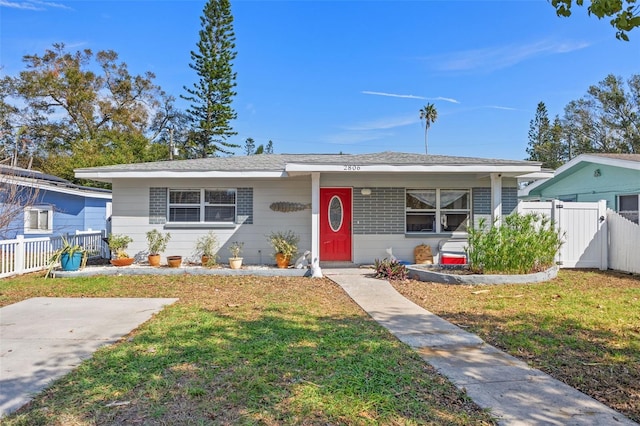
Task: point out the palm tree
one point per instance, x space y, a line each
429 114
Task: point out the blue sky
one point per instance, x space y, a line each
351 76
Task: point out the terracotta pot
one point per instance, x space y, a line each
123 261
282 261
154 259
235 262
174 261
204 260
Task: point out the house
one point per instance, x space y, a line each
35 204
345 208
593 177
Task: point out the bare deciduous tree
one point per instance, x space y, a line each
15 196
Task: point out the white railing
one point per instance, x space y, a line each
23 255
624 243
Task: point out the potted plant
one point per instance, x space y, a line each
157 243
71 257
206 247
118 244
235 248
285 246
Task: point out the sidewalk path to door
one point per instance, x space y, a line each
515 393
44 338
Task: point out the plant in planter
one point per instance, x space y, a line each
206 247
157 243
235 248
285 246
70 257
118 244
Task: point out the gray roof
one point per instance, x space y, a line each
29 177
626 157
277 162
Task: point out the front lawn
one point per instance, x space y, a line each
242 350
582 328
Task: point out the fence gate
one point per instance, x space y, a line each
584 230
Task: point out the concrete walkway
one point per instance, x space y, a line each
515 393
44 338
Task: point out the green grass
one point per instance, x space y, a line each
242 350
582 328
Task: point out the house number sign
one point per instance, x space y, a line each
351 168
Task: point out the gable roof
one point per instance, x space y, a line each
36 179
281 165
627 161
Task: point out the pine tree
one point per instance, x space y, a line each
269 148
249 146
546 140
211 111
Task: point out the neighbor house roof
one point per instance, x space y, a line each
627 161
36 179
280 165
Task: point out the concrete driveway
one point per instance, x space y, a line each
43 338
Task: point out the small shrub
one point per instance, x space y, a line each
522 244
390 269
285 242
207 245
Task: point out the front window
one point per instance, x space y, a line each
202 205
628 207
437 210
38 220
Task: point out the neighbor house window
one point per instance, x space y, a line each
38 220
437 210
202 205
628 206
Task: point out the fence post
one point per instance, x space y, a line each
19 255
603 231
106 251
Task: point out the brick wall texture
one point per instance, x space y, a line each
158 205
382 212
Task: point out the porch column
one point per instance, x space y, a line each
315 217
496 198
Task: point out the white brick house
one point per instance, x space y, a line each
346 208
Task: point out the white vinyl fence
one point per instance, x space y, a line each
583 227
624 243
23 255
594 236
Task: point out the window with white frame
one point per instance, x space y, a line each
215 205
38 220
437 210
628 206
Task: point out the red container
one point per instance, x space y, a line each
453 259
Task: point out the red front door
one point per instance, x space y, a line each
335 224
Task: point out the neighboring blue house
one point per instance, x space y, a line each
593 177
43 205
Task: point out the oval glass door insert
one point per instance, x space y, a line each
335 213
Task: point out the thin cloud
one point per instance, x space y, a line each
392 95
440 98
500 107
370 130
494 58
383 123
395 95
33 5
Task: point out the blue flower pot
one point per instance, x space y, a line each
70 263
